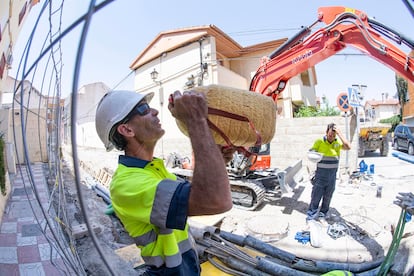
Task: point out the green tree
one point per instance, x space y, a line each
402 88
394 121
312 111
306 111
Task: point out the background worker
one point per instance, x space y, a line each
152 203
325 176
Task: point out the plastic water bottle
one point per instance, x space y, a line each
372 169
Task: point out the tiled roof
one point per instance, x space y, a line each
389 101
170 40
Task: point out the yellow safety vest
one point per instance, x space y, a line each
141 198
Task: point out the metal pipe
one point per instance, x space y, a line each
200 231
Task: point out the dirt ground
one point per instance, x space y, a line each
370 220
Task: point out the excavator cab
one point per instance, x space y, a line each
262 160
259 159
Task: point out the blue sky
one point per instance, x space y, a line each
121 30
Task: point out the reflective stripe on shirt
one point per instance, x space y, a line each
329 162
169 261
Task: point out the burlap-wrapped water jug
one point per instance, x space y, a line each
238 116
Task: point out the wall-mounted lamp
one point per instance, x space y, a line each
154 75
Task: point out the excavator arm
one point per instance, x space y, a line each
343 27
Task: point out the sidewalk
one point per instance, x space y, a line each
24 246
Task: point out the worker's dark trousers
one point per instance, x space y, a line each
323 188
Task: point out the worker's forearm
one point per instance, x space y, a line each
210 190
345 143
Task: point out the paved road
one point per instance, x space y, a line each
391 167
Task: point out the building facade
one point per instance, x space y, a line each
408 106
12 17
88 97
376 110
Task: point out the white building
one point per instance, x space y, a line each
88 97
376 110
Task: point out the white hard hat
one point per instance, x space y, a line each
314 156
113 108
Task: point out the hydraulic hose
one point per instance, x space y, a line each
273 268
294 262
323 266
259 245
399 231
291 42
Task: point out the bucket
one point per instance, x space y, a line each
255 116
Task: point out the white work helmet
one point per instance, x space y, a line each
113 108
314 156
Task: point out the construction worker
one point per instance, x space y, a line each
153 204
325 175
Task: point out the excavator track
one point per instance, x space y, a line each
247 195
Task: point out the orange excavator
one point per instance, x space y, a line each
342 27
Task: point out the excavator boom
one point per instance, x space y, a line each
343 27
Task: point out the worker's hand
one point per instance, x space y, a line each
336 129
188 106
227 152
